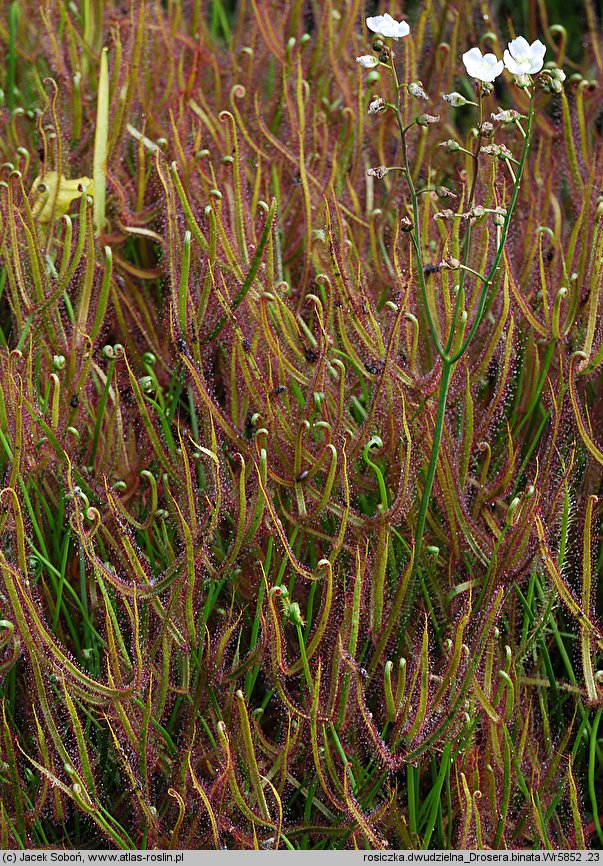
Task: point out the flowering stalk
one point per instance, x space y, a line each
467 236
415 232
521 57
449 360
504 232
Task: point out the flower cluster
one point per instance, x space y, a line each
520 58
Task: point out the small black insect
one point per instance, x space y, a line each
311 355
278 390
431 269
181 343
303 475
373 368
247 345
74 401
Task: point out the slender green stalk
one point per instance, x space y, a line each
415 233
503 238
449 360
466 244
446 376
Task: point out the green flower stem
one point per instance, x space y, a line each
449 360
447 370
467 237
415 234
505 231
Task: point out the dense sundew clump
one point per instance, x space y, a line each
300 440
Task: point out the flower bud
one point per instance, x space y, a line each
426 119
367 61
523 81
455 99
486 129
450 264
146 384
551 80
546 82
444 192
445 214
378 172
415 88
378 45
450 145
499 216
506 115
406 224
485 88
376 105
499 150
294 614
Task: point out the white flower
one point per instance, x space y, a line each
367 61
524 59
385 25
483 67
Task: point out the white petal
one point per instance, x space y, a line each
472 60
378 24
519 46
472 54
513 67
491 60
538 48
495 71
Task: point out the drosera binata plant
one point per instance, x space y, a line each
218 396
